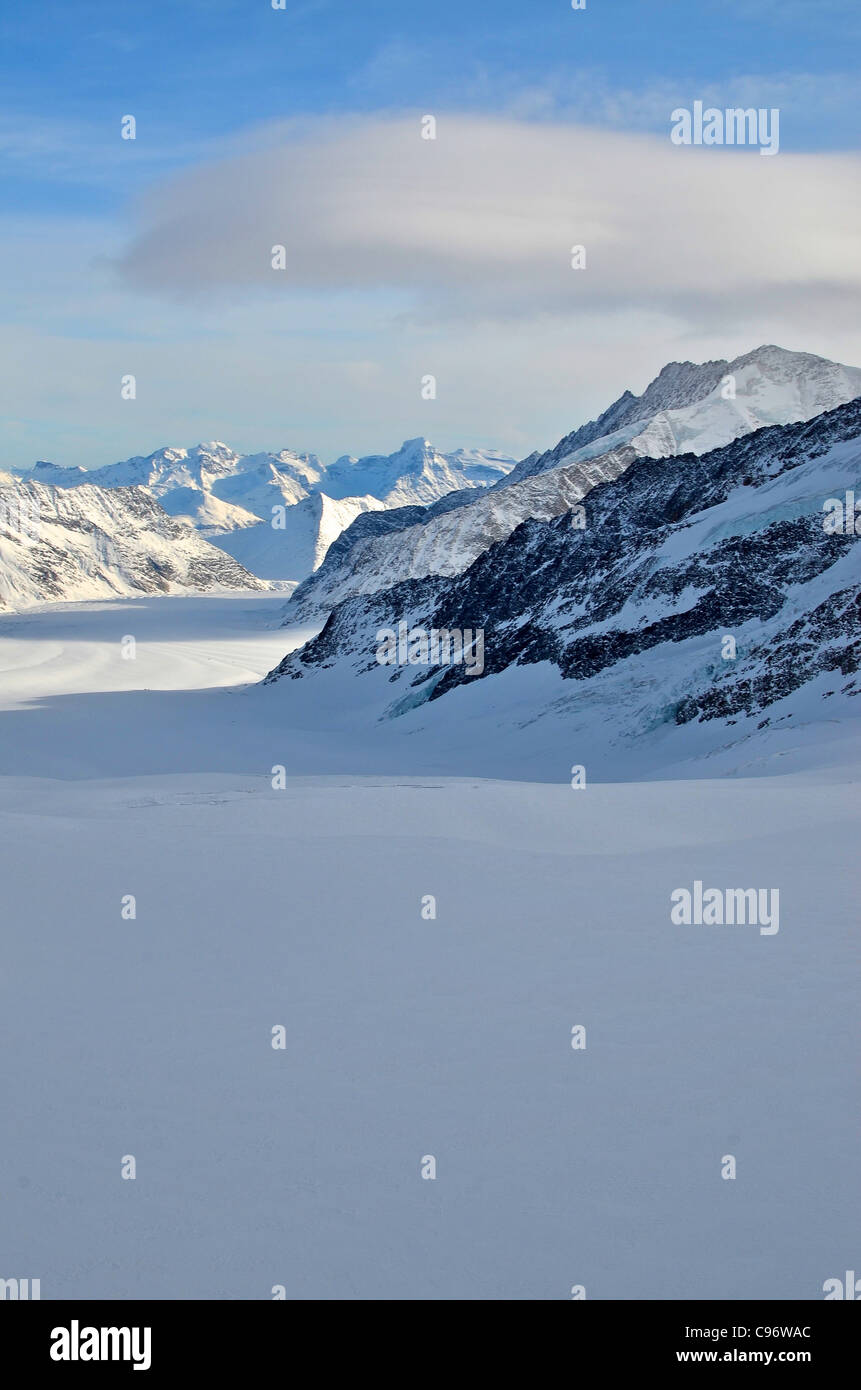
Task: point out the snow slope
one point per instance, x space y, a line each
91 542
299 545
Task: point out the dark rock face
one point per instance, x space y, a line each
652 569
367 524
826 640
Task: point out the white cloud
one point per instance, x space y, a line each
481 221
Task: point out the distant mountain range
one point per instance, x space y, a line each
208 517
233 499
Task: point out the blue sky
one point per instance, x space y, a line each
212 83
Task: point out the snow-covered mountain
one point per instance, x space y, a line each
612 635
415 474
686 409
218 490
223 493
210 468
692 408
411 542
298 544
96 542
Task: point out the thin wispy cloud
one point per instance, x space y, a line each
592 97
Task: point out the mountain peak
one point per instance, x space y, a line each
683 407
215 446
419 449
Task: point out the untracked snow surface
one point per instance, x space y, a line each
406 1037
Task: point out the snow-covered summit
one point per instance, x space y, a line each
204 468
694 407
415 473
